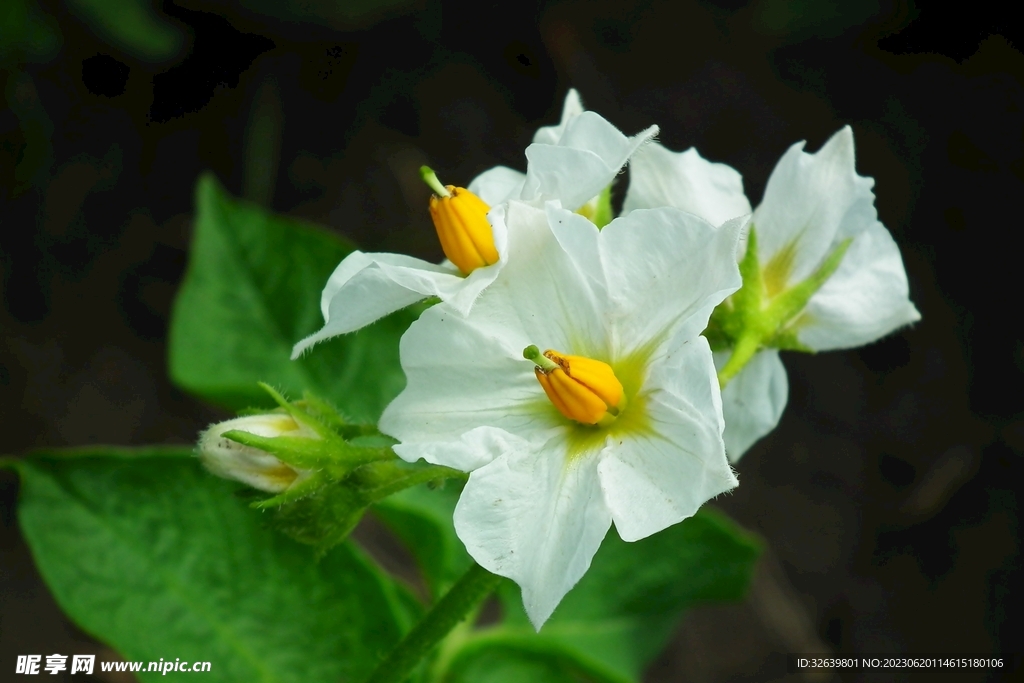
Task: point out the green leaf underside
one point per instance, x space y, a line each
251 291
152 555
611 625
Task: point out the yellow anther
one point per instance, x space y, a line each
583 389
460 218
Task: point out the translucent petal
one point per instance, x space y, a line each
687 181
498 185
753 401
865 299
573 107
812 203
585 160
366 287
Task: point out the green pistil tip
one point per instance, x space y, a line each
531 352
430 178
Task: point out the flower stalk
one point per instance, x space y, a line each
451 610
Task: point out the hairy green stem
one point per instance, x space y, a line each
475 585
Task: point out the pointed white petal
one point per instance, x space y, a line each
585 160
687 181
537 519
865 299
655 479
813 202
498 185
573 107
361 290
366 287
753 401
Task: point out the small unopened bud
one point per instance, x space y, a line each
460 218
252 466
583 389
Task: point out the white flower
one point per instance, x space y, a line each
257 468
814 205
569 163
631 300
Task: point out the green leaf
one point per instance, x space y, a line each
133 26
251 291
152 555
26 34
624 610
339 16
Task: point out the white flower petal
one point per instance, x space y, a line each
543 298
687 181
812 203
460 377
585 160
537 519
865 299
655 479
753 401
573 107
666 271
360 291
472 450
366 287
498 185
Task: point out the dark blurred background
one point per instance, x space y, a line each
887 496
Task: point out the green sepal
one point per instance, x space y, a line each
343 470
739 312
322 519
302 416
335 457
326 413
603 213
322 513
751 319
598 210
785 309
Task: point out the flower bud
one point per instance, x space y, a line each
583 389
253 466
460 218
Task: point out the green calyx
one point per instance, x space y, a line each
763 312
599 209
346 468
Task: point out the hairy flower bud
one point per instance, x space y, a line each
252 466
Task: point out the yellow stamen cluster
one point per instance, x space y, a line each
460 218
583 389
